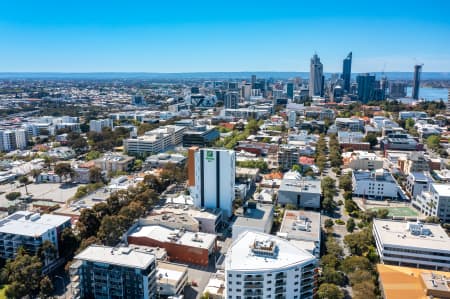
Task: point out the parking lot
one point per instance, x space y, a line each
44 191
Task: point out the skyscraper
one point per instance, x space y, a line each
366 87
347 71
290 90
231 100
212 179
416 81
316 77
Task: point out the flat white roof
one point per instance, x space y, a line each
241 257
163 234
122 256
395 233
171 272
30 224
442 189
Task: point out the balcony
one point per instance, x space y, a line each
253 285
254 278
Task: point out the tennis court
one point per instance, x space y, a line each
400 211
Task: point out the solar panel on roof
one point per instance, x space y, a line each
15 217
4 222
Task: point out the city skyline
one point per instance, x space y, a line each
203 37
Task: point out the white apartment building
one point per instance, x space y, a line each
113 272
29 230
362 160
259 265
378 184
13 139
412 244
434 202
155 141
214 178
97 125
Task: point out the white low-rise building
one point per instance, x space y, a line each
362 160
412 244
259 265
378 184
303 229
434 202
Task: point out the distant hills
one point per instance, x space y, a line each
203 75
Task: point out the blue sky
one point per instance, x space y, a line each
197 36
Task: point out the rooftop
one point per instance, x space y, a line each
442 189
301 225
301 184
242 256
412 234
163 234
170 273
30 224
122 256
377 175
254 216
411 283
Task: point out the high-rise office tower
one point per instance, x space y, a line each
211 178
397 90
253 81
347 71
366 87
137 100
290 90
416 81
315 77
231 100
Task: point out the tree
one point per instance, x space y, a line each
35 173
329 261
24 275
432 219
133 211
360 242
47 252
45 287
329 291
434 142
92 155
63 170
359 276
13 195
345 183
328 204
353 263
25 181
252 126
371 138
350 225
111 229
69 242
364 290
95 175
334 248
382 213
409 124
329 223
88 223
330 275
